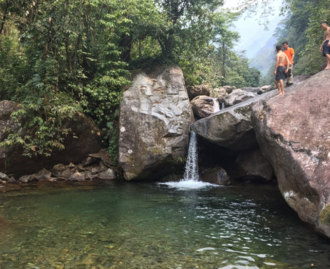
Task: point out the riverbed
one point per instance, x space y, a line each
148 225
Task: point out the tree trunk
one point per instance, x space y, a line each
126 45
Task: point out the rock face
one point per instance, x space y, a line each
301 78
12 161
230 128
252 164
155 116
238 96
204 106
194 91
293 134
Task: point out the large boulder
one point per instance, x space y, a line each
252 164
194 91
293 134
231 128
13 162
155 118
204 106
238 96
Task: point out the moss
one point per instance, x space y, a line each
156 150
325 215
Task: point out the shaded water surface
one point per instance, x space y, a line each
153 226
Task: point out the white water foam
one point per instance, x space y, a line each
188 185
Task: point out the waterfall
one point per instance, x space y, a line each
191 170
223 106
216 106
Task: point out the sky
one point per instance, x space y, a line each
253 35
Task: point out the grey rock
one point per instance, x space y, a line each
77 177
194 91
52 179
43 174
232 127
12 180
155 116
4 177
88 175
252 164
61 171
107 175
217 176
25 179
229 89
238 96
204 106
71 165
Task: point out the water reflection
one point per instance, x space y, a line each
154 226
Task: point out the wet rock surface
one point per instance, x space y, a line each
204 106
253 165
155 116
293 133
13 162
230 128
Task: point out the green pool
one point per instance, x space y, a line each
146 225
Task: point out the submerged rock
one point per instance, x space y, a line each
204 106
253 165
13 162
238 96
293 134
217 176
230 128
194 91
155 116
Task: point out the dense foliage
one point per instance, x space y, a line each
61 57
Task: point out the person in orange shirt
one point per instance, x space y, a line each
290 53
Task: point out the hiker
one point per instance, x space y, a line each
280 70
325 47
290 53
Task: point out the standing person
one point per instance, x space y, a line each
280 70
290 53
325 47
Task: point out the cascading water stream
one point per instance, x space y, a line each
191 170
191 177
